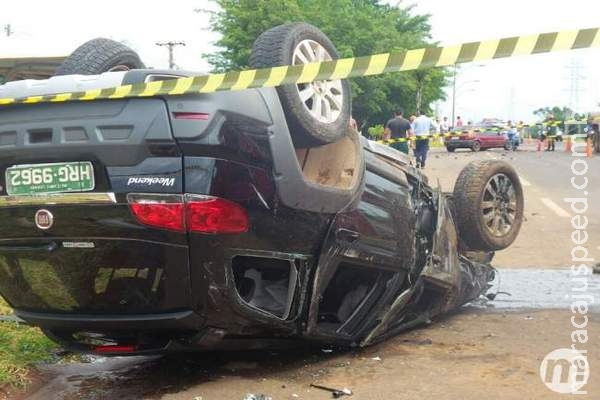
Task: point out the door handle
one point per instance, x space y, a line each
49 247
346 235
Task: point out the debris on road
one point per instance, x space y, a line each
419 342
252 396
376 358
336 393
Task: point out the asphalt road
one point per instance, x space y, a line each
545 239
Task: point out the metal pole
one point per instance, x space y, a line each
170 46
453 97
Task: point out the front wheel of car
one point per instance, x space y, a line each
450 149
488 201
476 146
317 112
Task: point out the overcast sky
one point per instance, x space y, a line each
509 89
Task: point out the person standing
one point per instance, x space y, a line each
459 122
399 130
551 128
422 127
444 128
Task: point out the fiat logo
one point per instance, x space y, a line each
44 219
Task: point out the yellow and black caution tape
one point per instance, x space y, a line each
338 69
423 137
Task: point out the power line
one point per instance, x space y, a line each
170 46
576 78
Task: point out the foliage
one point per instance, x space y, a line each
357 27
376 132
20 347
559 113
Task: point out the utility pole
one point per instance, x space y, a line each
453 97
170 46
8 30
576 77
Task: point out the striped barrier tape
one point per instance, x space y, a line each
338 69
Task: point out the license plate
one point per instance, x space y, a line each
50 178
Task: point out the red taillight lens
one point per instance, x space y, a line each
160 215
114 349
203 214
214 215
191 115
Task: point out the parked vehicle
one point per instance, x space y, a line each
478 138
242 219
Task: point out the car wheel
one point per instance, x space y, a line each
476 146
450 149
508 146
100 55
317 112
488 200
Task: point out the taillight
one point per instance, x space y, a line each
160 215
114 349
215 215
189 213
198 116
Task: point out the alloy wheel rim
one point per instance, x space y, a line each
499 205
324 100
119 68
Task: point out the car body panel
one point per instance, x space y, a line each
487 138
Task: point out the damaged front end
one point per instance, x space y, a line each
435 273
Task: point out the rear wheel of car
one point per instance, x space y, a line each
317 112
488 200
100 55
476 146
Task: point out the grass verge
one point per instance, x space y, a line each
20 348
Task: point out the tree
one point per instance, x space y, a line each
358 28
559 113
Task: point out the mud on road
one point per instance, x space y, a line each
474 354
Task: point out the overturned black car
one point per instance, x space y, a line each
230 220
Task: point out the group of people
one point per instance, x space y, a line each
401 130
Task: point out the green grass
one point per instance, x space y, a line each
20 348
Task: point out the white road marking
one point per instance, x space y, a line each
555 207
524 181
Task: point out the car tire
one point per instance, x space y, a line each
100 55
488 200
476 146
508 146
324 116
450 149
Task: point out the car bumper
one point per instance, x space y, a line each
458 143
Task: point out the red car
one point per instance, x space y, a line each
478 139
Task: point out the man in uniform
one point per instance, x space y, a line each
550 132
398 129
